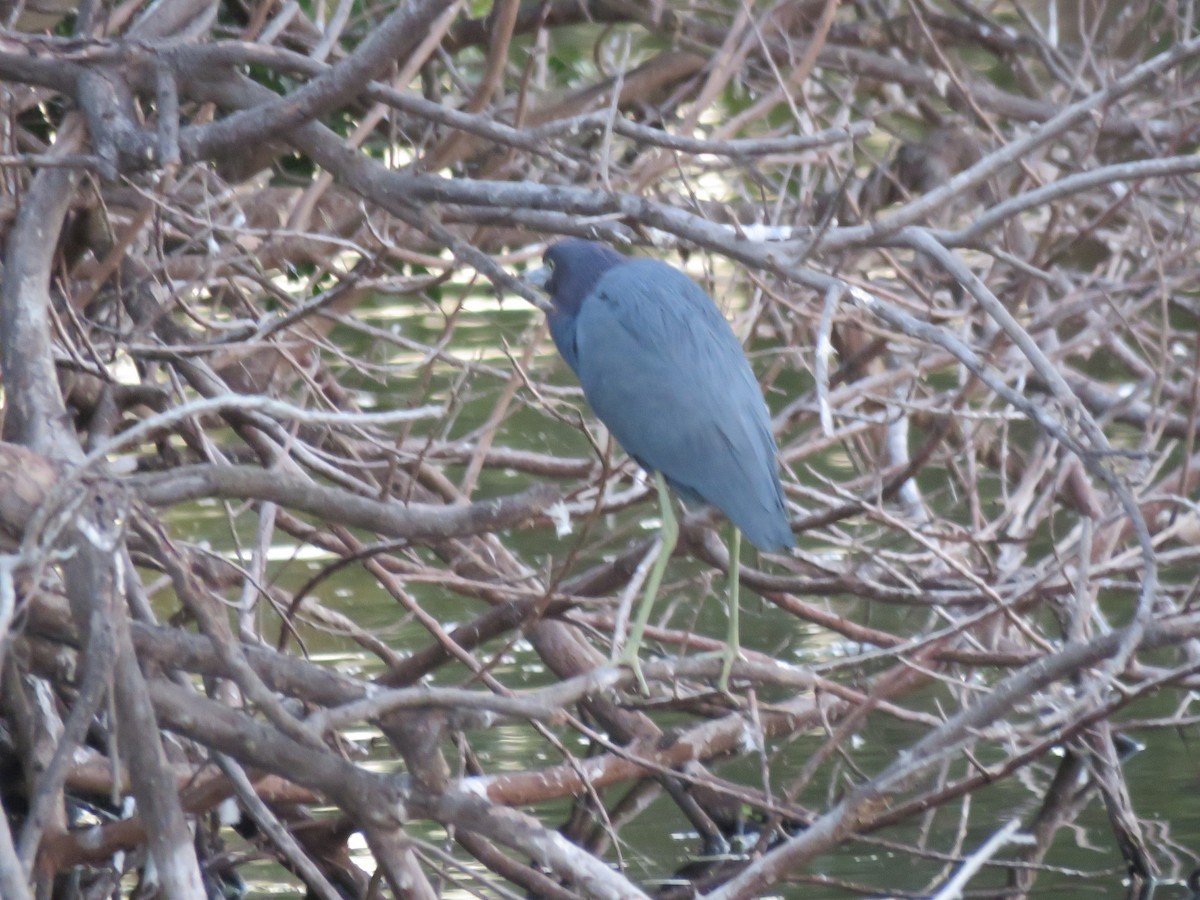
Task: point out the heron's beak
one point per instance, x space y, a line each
539 278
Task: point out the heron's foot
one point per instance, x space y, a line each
728 656
630 658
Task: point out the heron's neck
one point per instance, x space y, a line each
562 329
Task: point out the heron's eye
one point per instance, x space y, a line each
549 264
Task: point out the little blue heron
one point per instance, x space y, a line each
666 375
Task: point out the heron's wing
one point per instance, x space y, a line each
664 371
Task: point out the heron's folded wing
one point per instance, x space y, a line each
663 370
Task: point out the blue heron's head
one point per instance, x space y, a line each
570 270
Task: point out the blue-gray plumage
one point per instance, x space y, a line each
665 373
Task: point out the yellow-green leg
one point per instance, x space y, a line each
733 645
669 536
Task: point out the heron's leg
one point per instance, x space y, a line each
666 546
733 641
